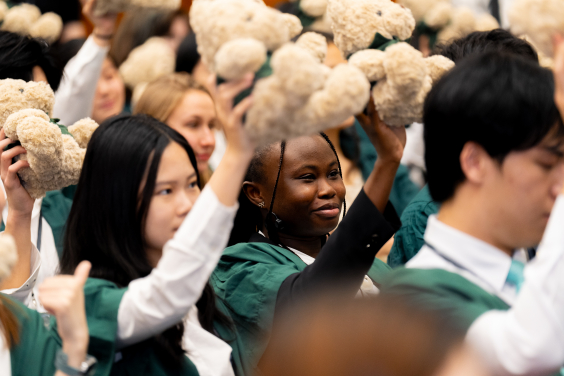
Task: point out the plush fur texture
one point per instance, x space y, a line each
26 19
302 96
450 22
117 6
8 255
151 60
55 159
539 20
402 76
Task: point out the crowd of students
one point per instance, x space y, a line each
186 250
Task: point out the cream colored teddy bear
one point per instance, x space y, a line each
26 19
294 93
312 14
117 6
539 20
442 21
401 75
153 59
54 152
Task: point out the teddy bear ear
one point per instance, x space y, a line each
294 25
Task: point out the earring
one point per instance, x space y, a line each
261 205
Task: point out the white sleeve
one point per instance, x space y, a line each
75 96
529 338
160 300
23 294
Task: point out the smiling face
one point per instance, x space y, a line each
310 193
195 119
176 191
110 93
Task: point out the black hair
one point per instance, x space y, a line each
188 56
20 54
501 101
63 52
481 41
249 218
107 219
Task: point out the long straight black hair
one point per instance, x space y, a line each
107 219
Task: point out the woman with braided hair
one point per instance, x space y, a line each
291 199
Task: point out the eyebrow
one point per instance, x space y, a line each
193 175
315 167
555 149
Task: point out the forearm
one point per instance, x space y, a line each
227 179
160 300
18 226
379 184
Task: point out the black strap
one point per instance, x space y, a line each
39 230
494 10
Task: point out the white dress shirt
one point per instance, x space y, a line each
169 294
74 99
5 360
44 262
528 339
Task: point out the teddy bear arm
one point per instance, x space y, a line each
82 131
238 57
370 62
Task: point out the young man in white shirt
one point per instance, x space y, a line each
494 142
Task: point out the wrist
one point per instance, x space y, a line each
102 38
238 155
18 218
75 354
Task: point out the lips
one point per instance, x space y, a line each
328 210
203 157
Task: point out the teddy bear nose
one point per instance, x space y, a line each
21 90
379 13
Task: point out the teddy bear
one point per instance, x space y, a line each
539 20
402 77
26 19
294 94
441 21
312 14
103 7
55 153
153 59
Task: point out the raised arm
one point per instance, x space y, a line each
75 96
369 224
18 222
559 73
160 300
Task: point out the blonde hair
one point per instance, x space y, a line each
162 96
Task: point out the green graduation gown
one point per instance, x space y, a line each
409 239
102 300
246 281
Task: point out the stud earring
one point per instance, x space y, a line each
261 205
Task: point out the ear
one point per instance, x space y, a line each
474 162
253 193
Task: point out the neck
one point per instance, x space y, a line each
153 256
466 212
311 246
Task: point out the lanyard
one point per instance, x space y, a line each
39 230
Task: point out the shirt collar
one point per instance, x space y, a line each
485 261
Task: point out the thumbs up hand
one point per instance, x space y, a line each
63 297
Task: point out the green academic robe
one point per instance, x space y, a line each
102 300
246 281
409 239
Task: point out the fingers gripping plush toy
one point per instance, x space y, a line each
539 20
294 93
401 76
26 19
54 153
116 6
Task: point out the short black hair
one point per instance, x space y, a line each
501 101
19 54
481 41
188 56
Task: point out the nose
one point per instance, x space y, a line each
326 189
558 185
207 138
184 203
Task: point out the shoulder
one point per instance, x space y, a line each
441 290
